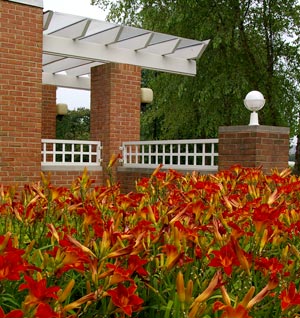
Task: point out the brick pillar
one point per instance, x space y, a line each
21 28
254 146
115 106
49 112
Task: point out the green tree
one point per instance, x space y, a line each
74 126
253 47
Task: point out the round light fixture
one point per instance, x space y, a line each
254 101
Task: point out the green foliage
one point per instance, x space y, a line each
253 46
75 125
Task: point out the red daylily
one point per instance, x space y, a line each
119 274
264 216
135 264
269 266
11 261
208 186
38 291
225 258
17 313
125 299
10 266
289 297
45 310
72 257
143 182
190 233
237 231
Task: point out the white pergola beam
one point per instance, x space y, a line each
102 53
66 81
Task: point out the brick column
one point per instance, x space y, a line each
115 106
254 146
49 112
21 27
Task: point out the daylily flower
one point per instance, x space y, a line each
125 299
119 274
225 258
11 261
38 291
289 297
17 313
45 310
11 265
269 266
68 257
135 264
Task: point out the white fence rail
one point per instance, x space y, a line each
195 154
70 153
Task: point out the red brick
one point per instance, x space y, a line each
20 91
254 146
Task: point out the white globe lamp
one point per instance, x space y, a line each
254 101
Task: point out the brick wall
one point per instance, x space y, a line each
254 146
20 92
66 178
115 106
128 178
49 112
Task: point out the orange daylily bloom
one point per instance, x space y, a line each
243 257
173 255
230 312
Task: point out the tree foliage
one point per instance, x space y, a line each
75 125
253 46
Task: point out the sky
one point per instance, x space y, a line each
74 98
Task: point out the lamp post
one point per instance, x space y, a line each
254 101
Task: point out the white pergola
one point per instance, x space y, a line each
73 44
